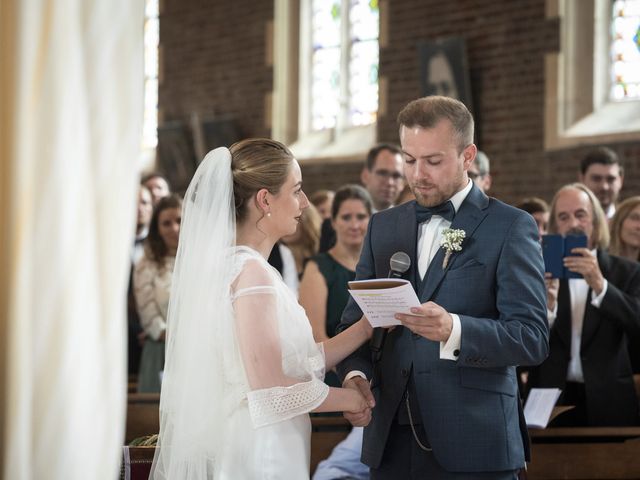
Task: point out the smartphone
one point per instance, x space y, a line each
571 242
552 254
555 248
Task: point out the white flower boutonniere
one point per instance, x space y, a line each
452 242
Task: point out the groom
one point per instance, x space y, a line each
445 389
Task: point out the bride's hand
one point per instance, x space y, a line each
359 408
366 327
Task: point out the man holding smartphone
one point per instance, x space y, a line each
590 319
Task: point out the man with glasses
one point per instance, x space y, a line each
382 175
479 172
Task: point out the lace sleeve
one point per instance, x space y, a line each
274 396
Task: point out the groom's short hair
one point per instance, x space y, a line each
426 112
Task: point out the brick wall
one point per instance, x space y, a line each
214 64
214 61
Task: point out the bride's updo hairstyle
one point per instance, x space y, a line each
257 163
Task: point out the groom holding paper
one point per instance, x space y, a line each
445 389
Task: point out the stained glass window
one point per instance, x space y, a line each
344 64
151 42
625 50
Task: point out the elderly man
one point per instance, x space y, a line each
590 319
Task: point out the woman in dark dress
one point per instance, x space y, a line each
323 289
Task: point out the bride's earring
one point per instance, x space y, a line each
268 214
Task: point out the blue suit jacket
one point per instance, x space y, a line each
470 408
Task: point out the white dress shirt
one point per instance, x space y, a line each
578 290
429 237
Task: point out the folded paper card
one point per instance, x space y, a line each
381 298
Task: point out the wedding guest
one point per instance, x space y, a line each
344 462
304 243
539 210
590 320
281 258
322 200
323 289
406 195
152 285
135 333
479 171
601 170
382 177
157 184
625 243
242 370
625 230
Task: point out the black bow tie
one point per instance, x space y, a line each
444 210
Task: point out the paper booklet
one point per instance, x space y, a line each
539 406
381 298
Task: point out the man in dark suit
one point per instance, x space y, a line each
590 318
445 389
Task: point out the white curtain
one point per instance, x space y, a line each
71 98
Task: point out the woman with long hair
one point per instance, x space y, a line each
152 285
305 241
625 230
323 289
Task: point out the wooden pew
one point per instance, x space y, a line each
326 432
585 453
143 415
557 453
143 419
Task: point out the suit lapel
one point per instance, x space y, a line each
563 318
407 237
469 216
591 315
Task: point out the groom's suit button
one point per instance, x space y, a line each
456 353
404 372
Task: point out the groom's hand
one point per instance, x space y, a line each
362 418
429 320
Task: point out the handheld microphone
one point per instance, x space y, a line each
398 264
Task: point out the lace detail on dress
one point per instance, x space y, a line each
271 405
317 362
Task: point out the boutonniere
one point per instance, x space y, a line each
452 242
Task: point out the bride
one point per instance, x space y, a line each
242 369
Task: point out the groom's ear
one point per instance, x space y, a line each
469 155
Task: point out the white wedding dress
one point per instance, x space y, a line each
273 378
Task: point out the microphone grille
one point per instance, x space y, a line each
400 262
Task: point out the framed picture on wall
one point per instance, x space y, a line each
444 69
176 158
